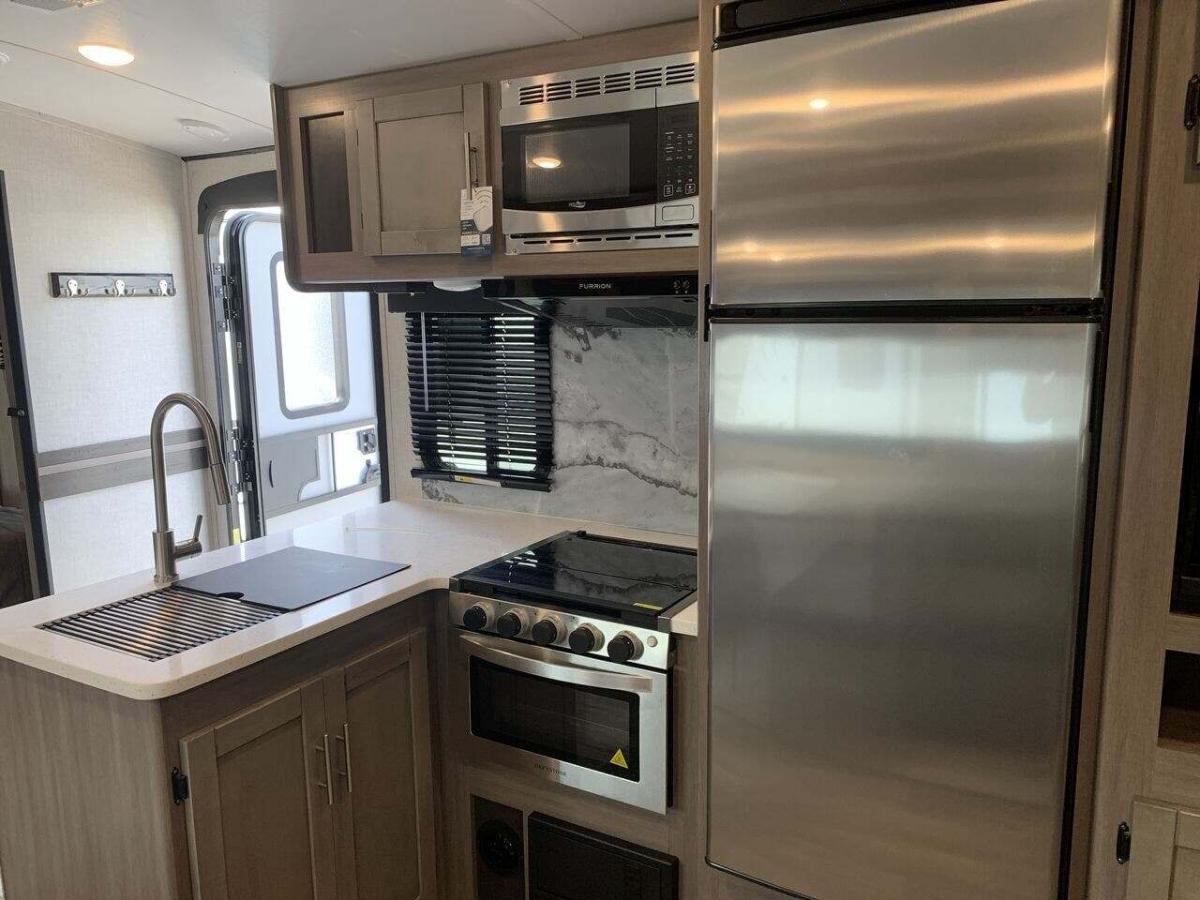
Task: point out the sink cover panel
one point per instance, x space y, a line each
292 577
161 623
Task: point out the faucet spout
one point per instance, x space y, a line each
166 550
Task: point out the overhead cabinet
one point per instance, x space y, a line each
416 153
370 167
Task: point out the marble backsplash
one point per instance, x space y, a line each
625 432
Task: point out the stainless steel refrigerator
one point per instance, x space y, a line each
907 312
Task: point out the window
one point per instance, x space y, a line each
310 338
479 387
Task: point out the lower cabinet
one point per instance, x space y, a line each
1164 862
324 791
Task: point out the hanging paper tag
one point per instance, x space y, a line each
475 222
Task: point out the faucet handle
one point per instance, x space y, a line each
191 546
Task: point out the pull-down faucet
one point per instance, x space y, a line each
166 551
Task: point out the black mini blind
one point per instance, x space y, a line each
479 392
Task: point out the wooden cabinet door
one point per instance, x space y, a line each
260 823
1164 863
378 710
413 161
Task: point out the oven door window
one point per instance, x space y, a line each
587 726
591 162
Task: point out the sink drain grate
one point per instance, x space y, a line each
160 623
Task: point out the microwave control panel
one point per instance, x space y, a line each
678 151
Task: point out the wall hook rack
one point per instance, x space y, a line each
107 284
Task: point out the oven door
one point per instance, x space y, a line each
591 165
587 723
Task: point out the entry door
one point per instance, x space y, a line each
307 364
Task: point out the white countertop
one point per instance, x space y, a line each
437 539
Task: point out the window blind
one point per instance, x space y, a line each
479 392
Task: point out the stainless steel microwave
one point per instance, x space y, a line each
602 158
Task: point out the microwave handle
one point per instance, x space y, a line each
570 672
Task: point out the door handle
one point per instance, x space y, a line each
469 159
344 737
323 747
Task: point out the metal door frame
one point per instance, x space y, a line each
21 412
223 240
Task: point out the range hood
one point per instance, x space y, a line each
608 301
615 301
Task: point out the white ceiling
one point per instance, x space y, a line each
213 60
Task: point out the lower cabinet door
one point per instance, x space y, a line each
378 716
260 813
1164 862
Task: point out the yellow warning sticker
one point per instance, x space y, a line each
618 759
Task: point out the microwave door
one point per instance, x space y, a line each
595 172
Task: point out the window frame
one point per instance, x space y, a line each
337 302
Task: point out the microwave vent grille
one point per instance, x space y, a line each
593 83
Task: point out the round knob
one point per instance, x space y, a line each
476 618
499 846
586 639
625 647
545 632
510 624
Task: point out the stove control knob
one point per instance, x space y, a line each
586 639
477 618
511 624
625 647
546 632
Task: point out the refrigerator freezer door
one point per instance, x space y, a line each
895 542
952 155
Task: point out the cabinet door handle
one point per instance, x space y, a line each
344 737
469 161
323 747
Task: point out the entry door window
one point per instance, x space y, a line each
311 348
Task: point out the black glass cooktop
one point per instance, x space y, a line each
580 571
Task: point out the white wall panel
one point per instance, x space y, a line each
103 534
84 202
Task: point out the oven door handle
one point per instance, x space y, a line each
573 673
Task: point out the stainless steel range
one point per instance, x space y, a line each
566 651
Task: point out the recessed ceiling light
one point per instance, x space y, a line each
547 162
105 54
206 130
818 103
4 58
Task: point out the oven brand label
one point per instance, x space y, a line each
618 759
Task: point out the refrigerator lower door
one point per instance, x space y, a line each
896 536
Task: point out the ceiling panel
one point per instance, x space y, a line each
134 111
215 59
590 17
